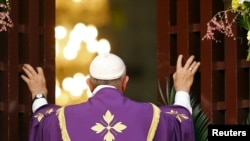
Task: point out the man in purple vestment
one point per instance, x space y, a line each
108 115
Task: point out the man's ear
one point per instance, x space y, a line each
91 87
124 83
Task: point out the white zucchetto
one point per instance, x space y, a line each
107 66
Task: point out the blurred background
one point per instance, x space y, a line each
85 28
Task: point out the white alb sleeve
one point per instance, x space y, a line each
38 103
182 98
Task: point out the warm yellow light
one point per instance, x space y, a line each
79 84
103 46
80 79
58 91
69 54
63 100
90 33
77 91
77 1
92 46
76 84
80 30
60 32
76 36
57 48
67 83
77 45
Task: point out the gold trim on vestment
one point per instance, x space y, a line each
62 123
154 123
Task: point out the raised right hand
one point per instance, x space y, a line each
35 80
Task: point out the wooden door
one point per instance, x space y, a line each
222 82
32 41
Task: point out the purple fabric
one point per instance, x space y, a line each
176 124
82 117
128 120
135 116
44 124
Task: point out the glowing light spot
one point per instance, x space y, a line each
67 83
74 44
92 46
58 91
103 46
80 79
90 34
60 32
69 54
76 91
80 30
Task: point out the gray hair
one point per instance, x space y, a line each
115 82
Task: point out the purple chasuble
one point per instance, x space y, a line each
109 116
176 124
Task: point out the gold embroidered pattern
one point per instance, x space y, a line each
49 111
40 116
108 118
180 117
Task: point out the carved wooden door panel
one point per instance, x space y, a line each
222 83
31 40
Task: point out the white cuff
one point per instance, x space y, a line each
38 103
182 98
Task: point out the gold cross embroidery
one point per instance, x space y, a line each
108 118
180 117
